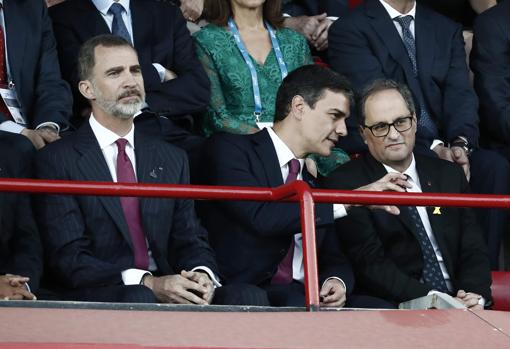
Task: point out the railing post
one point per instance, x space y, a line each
311 284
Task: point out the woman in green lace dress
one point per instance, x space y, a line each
267 59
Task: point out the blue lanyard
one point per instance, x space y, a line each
251 66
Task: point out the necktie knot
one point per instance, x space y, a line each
121 144
116 9
404 21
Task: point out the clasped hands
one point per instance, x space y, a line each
314 29
188 287
13 287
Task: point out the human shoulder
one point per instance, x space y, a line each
210 34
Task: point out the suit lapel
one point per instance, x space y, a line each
425 45
93 167
267 154
89 20
16 38
141 23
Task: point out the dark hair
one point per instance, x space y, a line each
218 12
310 82
383 85
86 57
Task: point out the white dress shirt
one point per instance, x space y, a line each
106 140
104 5
284 155
414 180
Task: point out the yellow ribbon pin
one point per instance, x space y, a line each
437 210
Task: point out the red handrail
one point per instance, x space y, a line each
293 192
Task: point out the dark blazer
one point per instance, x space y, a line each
160 36
490 61
251 238
32 55
337 8
86 237
20 246
383 248
365 46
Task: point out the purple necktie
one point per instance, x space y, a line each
131 207
283 274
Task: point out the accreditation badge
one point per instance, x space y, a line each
10 98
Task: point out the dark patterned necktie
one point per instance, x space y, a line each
118 25
131 207
424 121
432 273
283 274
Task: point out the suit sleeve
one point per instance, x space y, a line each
63 231
490 61
188 245
229 165
460 104
53 101
187 94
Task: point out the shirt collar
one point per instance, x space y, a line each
283 152
394 13
410 171
104 5
106 137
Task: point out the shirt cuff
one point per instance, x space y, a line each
133 276
11 126
161 71
49 124
435 143
339 211
209 272
332 18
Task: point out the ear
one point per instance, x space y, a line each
362 134
297 106
86 89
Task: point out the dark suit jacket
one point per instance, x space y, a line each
20 246
365 46
33 62
383 248
86 237
490 61
160 36
337 8
251 238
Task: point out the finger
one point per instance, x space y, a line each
24 293
321 16
320 30
326 289
394 210
476 307
461 293
190 296
38 141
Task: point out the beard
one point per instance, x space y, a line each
117 109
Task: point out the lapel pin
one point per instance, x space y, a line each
153 174
437 210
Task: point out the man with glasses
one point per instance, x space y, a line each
422 250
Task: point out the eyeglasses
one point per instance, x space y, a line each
382 129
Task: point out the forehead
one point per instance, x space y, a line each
109 57
385 106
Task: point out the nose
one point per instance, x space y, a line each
393 133
341 128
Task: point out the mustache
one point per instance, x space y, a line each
129 93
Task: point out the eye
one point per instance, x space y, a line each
401 121
379 127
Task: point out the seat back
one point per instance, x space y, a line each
501 290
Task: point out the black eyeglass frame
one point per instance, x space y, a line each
410 117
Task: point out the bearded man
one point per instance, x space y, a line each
112 249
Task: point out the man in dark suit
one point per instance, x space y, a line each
175 82
407 42
312 18
20 247
121 249
257 242
29 68
490 61
421 250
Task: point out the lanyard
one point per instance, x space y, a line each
251 66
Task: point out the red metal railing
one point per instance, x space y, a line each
297 191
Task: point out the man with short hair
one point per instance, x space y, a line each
260 243
422 250
121 249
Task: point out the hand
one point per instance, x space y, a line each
333 294
460 157
192 9
12 287
390 182
443 152
306 25
176 289
169 75
203 280
469 299
311 167
48 134
34 137
320 36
